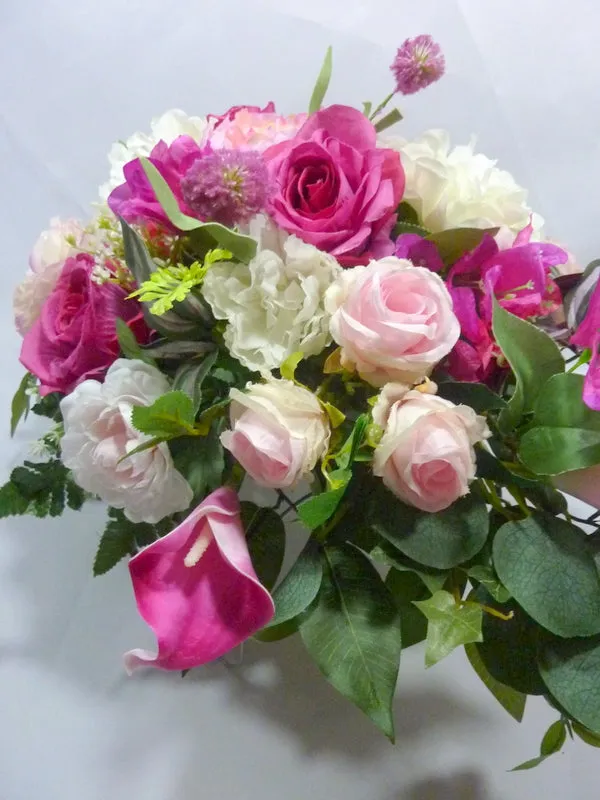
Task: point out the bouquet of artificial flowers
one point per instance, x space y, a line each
378 333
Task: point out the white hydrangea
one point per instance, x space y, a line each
98 433
459 188
274 305
168 127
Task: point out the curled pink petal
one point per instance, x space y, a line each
197 589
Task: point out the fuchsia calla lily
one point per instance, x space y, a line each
197 589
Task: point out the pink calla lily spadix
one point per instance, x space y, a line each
197 589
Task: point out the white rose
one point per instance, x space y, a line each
459 188
167 128
275 304
45 264
426 455
278 432
98 433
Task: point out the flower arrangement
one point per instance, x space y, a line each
379 334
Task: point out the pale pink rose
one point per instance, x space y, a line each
426 455
278 432
45 264
393 321
252 129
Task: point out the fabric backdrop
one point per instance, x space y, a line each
74 76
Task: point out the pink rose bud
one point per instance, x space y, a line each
393 321
426 455
279 432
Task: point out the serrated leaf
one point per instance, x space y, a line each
265 536
353 634
547 566
12 502
172 414
242 247
570 668
299 588
533 357
49 406
120 539
510 699
19 407
322 83
190 377
441 540
450 625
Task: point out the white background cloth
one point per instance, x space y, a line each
77 74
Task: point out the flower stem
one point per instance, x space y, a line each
381 106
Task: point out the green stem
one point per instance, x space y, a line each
381 106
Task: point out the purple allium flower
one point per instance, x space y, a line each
418 63
227 186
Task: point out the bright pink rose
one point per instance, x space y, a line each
278 432
197 589
426 456
135 200
393 321
335 188
74 337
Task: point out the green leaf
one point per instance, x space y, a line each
322 83
190 377
450 625
288 368
502 639
265 535
487 577
554 738
510 699
566 433
121 538
533 357
19 407
403 227
570 669
49 406
405 587
276 633
163 348
12 502
454 243
41 489
172 414
531 764
442 540
391 118
385 553
475 395
315 511
299 588
242 247
200 460
585 735
354 636
367 106
547 566
129 344
347 454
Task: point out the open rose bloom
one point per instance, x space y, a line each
375 340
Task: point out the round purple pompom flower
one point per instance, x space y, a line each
418 63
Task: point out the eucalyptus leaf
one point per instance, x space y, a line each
533 357
322 84
353 634
441 540
510 699
265 536
549 569
405 587
177 349
300 586
433 579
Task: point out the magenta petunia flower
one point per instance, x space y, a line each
227 186
418 63
197 589
587 335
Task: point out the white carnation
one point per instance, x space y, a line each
275 304
98 433
167 128
458 188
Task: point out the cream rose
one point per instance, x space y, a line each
278 432
426 456
393 321
98 433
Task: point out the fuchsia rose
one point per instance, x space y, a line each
393 321
335 189
135 200
197 589
74 337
